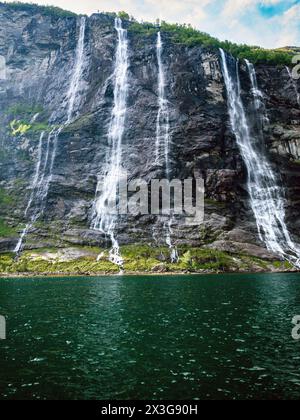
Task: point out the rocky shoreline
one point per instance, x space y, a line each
145 260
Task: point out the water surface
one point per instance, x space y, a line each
193 337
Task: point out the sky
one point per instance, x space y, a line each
268 23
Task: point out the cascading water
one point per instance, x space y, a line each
173 249
104 218
162 146
45 162
259 105
163 118
265 194
77 72
35 183
294 83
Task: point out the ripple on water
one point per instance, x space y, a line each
142 337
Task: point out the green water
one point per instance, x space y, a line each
150 337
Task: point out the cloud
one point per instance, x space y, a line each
290 33
269 23
233 8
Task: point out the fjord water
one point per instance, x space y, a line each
265 191
205 337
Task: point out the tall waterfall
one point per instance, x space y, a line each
294 83
35 183
266 196
77 71
46 158
163 138
107 188
163 118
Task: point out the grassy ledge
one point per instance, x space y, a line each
189 36
51 11
183 34
137 259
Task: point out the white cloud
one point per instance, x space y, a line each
234 7
290 33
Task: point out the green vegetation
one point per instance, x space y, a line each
282 265
84 121
38 127
23 110
124 15
183 34
22 114
211 202
187 35
21 127
137 258
5 230
5 198
39 265
6 262
18 128
51 11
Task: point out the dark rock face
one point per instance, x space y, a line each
40 53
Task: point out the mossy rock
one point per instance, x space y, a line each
137 259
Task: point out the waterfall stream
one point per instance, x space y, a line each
266 195
163 117
162 146
77 71
105 218
45 159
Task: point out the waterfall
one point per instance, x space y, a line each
45 161
163 119
173 249
258 99
77 72
106 193
34 187
266 196
162 146
294 83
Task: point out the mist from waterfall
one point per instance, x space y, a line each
46 158
266 196
163 138
107 189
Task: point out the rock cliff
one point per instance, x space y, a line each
39 53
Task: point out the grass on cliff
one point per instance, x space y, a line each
52 11
5 198
21 116
183 34
187 35
22 127
6 231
